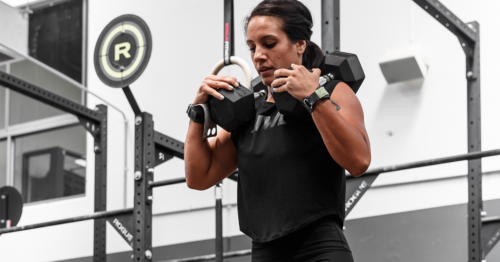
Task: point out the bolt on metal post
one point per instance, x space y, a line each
148 254
138 120
137 175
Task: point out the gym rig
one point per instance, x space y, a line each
153 148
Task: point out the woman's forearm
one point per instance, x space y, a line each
348 145
197 156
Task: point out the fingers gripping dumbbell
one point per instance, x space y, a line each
337 66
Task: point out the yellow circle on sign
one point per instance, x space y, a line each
105 47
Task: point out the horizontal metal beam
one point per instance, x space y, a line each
167 182
174 146
96 215
49 98
239 253
432 162
442 14
173 181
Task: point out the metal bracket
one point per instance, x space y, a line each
209 128
90 126
356 187
490 234
123 224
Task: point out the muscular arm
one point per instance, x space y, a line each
207 162
344 131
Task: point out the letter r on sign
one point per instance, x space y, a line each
122 48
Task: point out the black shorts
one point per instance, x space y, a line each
322 240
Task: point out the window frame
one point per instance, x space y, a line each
9 133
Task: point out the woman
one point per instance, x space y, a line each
291 188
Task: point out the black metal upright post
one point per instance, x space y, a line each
330 25
101 152
143 194
219 252
228 31
475 197
468 35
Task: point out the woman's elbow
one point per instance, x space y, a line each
360 167
195 184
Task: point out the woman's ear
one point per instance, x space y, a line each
301 46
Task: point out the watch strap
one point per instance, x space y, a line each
310 101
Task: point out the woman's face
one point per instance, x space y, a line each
270 47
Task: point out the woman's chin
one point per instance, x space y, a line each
267 81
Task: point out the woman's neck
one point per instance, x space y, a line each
269 98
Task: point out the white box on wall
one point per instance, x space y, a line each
403 64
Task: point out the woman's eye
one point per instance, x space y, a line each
270 45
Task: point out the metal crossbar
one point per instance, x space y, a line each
96 215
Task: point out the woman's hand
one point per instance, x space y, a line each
299 82
210 84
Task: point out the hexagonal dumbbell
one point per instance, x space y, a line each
237 107
344 67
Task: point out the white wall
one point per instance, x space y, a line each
427 118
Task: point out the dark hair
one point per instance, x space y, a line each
297 24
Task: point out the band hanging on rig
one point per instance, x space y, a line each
228 31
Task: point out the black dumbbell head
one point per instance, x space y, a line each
287 104
236 108
345 67
257 85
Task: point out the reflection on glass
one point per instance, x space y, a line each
24 109
50 165
3 163
51 173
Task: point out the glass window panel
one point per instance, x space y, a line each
3 163
2 102
50 165
58 27
2 107
24 109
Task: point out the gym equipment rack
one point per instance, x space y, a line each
95 122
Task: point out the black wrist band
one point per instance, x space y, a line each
196 113
310 101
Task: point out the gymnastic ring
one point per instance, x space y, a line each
237 61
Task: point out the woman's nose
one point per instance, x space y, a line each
259 55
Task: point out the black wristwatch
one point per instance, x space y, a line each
196 113
310 101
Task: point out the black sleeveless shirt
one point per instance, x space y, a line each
287 178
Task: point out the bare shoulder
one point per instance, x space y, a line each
343 94
350 107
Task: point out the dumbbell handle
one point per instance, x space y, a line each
259 94
325 78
